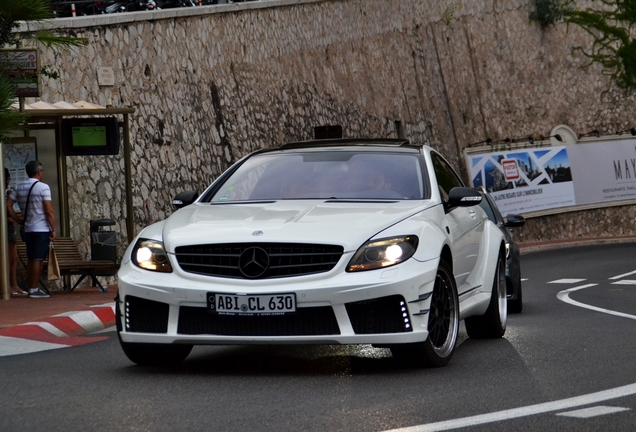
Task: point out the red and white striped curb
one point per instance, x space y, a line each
65 328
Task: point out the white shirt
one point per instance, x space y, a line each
35 218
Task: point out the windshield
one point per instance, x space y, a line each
326 174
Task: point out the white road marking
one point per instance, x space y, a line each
524 279
515 413
593 411
589 399
623 275
567 281
625 282
15 346
564 296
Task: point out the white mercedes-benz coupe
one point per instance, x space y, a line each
350 241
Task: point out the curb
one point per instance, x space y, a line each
563 244
65 328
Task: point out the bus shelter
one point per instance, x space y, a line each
45 138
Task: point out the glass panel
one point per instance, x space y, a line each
324 175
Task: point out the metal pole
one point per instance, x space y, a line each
4 241
62 182
130 223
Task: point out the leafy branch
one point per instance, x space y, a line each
613 47
610 26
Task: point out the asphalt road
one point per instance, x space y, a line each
566 363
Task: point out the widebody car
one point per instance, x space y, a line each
352 241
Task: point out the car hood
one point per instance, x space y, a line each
304 221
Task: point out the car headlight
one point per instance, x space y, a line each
150 255
383 253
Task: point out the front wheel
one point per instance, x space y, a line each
146 354
492 324
443 325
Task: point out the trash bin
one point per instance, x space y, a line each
103 243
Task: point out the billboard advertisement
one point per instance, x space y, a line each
543 178
21 67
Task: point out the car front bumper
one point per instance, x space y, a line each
384 306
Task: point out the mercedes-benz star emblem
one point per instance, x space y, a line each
253 262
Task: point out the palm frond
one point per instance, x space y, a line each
26 10
10 119
51 40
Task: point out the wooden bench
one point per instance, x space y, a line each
72 264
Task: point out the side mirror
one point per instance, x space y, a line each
515 221
463 197
185 199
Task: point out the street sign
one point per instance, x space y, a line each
21 66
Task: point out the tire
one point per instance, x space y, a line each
492 324
443 326
515 305
147 354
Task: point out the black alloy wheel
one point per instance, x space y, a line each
443 325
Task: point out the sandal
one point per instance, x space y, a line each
17 292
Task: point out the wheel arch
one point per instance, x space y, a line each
447 256
493 247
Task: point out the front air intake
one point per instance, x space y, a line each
313 321
381 315
145 316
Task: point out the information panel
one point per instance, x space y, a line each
544 178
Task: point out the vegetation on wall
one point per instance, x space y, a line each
449 12
610 25
550 12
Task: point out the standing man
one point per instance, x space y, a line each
34 199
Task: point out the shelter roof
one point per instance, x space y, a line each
44 110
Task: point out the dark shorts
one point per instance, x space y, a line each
37 245
11 231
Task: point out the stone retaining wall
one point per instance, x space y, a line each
211 84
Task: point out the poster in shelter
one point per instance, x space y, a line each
17 152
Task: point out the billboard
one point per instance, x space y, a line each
21 67
543 178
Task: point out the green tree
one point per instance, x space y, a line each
11 13
610 24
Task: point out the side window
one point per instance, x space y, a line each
446 177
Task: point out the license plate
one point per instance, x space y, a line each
251 304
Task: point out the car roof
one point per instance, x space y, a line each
352 142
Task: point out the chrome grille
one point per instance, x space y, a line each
284 259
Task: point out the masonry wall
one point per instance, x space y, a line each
211 84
